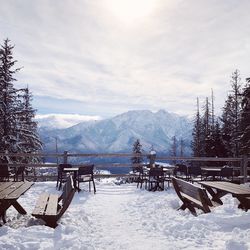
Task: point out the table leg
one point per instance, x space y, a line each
4 205
75 182
18 207
3 217
244 202
216 195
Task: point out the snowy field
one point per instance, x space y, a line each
124 217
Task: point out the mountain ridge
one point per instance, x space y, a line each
117 134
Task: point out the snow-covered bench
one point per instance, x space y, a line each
192 196
51 207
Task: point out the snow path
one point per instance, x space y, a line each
113 223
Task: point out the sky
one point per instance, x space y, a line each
104 57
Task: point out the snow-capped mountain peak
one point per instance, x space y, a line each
118 134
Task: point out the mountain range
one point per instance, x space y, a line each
117 134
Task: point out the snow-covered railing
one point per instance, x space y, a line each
239 163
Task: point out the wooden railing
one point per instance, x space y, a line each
240 163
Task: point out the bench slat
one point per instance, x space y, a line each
189 189
197 202
41 205
52 205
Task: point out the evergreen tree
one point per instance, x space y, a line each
245 121
182 148
18 132
196 142
231 117
206 130
218 148
226 129
137 149
173 152
174 147
8 101
213 115
237 97
29 141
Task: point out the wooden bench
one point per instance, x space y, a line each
51 207
192 196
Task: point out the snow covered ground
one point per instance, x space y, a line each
124 217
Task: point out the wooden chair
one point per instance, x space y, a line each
226 173
86 174
19 171
141 176
194 174
5 173
181 171
155 179
61 175
192 196
51 207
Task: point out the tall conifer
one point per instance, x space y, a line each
8 100
245 121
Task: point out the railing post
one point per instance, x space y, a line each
65 157
245 163
152 156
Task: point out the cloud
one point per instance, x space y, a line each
161 55
62 120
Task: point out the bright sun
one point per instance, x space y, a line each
129 11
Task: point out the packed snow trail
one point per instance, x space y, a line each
114 225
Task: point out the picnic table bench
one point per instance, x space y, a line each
218 189
192 196
51 207
9 193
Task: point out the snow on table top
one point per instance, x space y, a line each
124 217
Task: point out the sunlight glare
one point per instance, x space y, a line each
129 11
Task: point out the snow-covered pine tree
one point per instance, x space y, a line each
8 101
206 130
18 132
196 141
219 148
226 127
137 149
173 150
231 117
237 98
182 147
29 141
245 121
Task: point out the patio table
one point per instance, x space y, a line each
218 189
9 193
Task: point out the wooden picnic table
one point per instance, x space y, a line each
9 193
218 189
